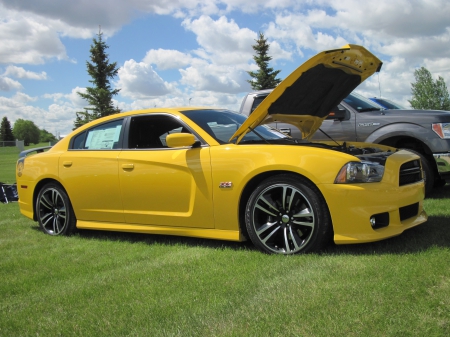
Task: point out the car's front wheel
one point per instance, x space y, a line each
286 214
54 211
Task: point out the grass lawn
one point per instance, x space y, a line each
118 284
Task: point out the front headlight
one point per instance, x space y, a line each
442 130
360 172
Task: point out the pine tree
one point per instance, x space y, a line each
6 133
100 95
265 77
429 94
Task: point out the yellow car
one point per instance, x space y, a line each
211 173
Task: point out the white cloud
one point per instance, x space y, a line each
19 106
167 59
8 84
20 72
28 41
203 76
223 41
140 80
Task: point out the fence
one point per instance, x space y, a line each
17 143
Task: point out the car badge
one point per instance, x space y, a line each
226 184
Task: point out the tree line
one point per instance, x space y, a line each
24 130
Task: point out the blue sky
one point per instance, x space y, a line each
172 53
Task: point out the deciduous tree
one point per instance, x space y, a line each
27 131
45 136
427 93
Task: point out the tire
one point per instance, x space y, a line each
286 214
54 211
428 173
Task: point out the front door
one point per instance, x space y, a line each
164 186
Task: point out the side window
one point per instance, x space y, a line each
257 101
78 141
150 132
102 137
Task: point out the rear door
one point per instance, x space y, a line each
89 173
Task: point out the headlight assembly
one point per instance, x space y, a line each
442 130
360 172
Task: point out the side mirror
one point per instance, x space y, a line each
338 114
180 139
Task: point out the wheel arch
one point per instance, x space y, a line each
37 189
255 181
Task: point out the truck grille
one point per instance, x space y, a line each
410 172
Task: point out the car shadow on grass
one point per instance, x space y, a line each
441 192
434 233
169 240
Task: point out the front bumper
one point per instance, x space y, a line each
393 205
351 219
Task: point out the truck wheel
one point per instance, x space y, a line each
287 215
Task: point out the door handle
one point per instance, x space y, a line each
128 166
67 164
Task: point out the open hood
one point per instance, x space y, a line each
309 93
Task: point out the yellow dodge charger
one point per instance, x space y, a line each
212 173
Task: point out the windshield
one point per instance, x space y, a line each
361 104
388 103
222 124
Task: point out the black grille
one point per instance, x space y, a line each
409 211
410 172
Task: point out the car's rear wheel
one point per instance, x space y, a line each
286 214
54 211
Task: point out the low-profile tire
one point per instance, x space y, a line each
286 214
54 211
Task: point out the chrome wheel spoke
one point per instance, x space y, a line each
262 208
294 238
286 240
264 227
46 203
270 234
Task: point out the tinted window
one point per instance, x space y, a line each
389 104
78 141
150 132
360 103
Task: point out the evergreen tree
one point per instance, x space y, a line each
429 94
100 95
6 133
265 77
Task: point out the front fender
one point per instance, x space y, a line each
419 132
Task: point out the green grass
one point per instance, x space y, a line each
118 284
8 159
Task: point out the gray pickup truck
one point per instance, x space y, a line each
356 118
